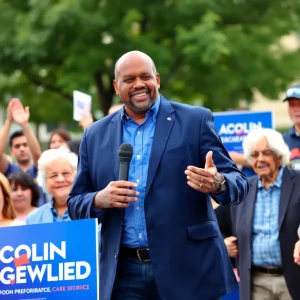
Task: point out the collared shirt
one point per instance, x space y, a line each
14 168
292 139
140 137
265 232
56 216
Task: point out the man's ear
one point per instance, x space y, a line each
116 86
158 79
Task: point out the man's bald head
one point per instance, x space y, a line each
132 55
136 83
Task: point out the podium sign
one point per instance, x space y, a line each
50 261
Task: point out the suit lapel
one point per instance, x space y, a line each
164 123
287 188
115 140
246 217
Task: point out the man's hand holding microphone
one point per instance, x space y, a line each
119 193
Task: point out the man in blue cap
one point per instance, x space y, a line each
292 136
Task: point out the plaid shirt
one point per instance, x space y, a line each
265 232
56 216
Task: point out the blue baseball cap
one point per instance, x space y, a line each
292 93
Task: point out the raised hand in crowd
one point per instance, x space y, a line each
19 114
24 146
9 117
86 121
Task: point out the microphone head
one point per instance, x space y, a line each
125 152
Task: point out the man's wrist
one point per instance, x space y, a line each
96 201
219 184
24 126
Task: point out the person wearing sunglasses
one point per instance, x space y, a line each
292 136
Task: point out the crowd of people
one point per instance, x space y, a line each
259 233
262 233
33 195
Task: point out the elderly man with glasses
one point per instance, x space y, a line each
266 223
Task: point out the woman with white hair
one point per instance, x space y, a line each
56 172
266 223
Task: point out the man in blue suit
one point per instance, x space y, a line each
160 238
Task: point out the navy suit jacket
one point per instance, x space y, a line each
189 257
288 220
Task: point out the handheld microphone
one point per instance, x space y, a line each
125 155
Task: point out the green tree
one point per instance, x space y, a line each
210 52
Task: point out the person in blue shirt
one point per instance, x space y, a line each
23 144
266 223
56 173
292 136
160 238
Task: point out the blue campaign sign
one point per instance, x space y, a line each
233 127
49 261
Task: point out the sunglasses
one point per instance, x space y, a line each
293 91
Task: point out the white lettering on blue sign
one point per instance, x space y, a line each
239 128
24 268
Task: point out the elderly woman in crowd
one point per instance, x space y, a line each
56 172
25 194
7 213
266 223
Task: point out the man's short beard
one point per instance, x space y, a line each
140 109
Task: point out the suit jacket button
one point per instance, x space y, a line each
116 255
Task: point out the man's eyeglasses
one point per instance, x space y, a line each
265 153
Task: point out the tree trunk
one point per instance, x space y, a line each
37 130
105 93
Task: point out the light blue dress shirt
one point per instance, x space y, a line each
134 233
265 237
56 216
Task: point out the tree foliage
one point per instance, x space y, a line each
210 52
